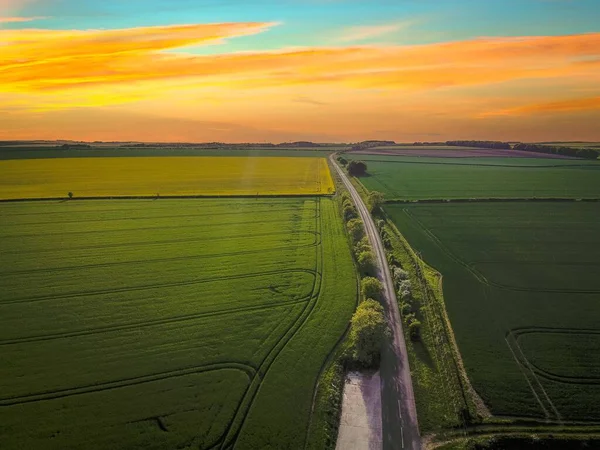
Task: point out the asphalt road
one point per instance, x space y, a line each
399 414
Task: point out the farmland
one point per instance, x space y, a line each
154 176
417 178
167 323
521 289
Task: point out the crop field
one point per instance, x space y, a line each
522 291
170 323
153 176
104 151
406 178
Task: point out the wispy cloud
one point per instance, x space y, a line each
115 66
20 19
562 106
368 32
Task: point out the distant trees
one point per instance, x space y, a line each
480 144
367 331
70 194
343 161
586 153
357 168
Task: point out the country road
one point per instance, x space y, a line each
399 414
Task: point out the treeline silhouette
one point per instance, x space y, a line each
481 144
586 153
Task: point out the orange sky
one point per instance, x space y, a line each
144 83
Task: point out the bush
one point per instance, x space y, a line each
349 213
367 331
414 330
375 201
356 229
405 308
366 261
405 295
363 246
399 275
371 288
405 285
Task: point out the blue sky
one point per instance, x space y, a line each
320 22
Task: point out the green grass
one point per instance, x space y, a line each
521 289
168 323
409 178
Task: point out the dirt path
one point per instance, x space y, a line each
399 414
360 424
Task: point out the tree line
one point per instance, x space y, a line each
585 153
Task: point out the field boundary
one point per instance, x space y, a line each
162 197
79 390
493 200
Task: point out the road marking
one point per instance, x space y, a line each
402 434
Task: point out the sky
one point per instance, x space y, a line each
288 70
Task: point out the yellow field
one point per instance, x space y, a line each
148 176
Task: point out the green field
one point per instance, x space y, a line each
39 152
167 323
522 291
416 178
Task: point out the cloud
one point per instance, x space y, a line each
562 106
99 67
366 32
20 19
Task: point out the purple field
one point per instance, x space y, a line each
459 153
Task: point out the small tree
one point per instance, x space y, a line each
375 201
367 331
70 194
371 288
356 229
366 261
357 168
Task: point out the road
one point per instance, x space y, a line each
399 413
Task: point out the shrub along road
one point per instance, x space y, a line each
399 414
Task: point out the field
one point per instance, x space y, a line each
152 176
167 323
107 151
521 287
406 178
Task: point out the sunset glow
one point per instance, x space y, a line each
198 72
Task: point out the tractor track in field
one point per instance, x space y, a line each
160 260
157 242
151 323
205 208
119 230
517 333
249 370
153 286
470 267
232 432
170 217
